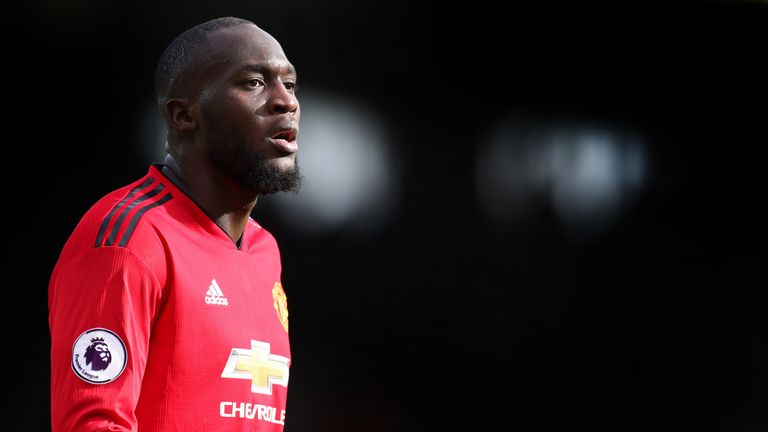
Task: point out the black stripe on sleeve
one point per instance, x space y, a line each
137 216
108 218
111 238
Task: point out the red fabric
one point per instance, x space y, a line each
151 292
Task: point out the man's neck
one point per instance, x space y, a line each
223 200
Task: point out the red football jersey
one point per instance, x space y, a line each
159 322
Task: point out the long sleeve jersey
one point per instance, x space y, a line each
159 322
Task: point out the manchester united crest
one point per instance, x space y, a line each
281 304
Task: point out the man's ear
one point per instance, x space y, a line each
181 114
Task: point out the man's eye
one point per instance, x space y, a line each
291 86
254 83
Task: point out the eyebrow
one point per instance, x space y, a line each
267 68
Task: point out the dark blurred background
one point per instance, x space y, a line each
539 216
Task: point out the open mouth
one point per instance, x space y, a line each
285 134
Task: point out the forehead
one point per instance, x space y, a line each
246 44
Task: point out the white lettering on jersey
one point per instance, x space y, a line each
214 294
251 411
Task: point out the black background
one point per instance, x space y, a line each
437 320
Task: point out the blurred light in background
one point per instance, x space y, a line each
586 174
349 169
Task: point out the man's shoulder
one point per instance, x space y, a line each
120 213
118 228
113 219
260 239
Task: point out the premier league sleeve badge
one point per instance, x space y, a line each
99 356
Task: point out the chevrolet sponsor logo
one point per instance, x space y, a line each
258 365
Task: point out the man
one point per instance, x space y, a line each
166 309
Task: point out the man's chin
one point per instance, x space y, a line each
272 179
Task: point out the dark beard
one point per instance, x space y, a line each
234 156
265 178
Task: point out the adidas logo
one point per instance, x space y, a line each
214 294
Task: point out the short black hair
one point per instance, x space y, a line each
182 52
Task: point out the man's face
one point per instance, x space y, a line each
249 110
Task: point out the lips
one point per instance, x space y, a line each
284 138
287 134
